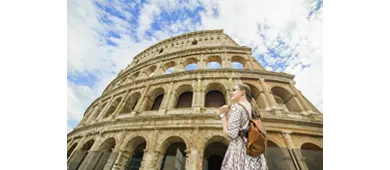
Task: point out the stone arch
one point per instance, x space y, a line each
151 70
239 61
112 107
71 149
184 96
105 150
154 99
277 144
78 157
133 153
168 65
87 145
134 76
170 148
191 63
107 144
312 155
256 95
212 61
130 103
215 149
215 95
276 157
285 99
309 140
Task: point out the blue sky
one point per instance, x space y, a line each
104 36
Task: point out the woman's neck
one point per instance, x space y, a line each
241 100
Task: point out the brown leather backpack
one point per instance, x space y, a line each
257 139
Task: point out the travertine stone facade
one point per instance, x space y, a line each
147 110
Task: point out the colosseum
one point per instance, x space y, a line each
161 111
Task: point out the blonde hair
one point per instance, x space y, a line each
251 100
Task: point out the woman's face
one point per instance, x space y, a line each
236 93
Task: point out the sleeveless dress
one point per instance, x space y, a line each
235 157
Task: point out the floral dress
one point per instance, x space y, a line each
235 156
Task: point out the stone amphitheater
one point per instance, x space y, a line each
161 111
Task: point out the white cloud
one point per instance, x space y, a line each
88 53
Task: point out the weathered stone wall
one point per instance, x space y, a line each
123 112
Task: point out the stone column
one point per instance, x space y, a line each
290 145
201 64
267 94
301 100
141 101
151 153
123 159
166 103
226 61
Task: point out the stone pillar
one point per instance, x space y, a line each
226 62
267 94
151 153
123 159
301 100
166 103
202 63
290 145
141 100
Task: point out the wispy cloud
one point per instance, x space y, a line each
104 36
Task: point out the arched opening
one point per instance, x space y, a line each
71 149
130 103
215 95
185 100
169 67
213 155
150 71
285 100
157 102
313 156
257 96
277 158
104 153
113 106
87 145
238 62
78 157
214 62
132 157
185 97
174 157
154 99
135 76
191 64
213 65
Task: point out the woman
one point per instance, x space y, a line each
234 119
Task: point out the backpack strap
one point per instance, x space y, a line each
247 114
246 111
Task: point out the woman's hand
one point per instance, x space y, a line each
224 109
